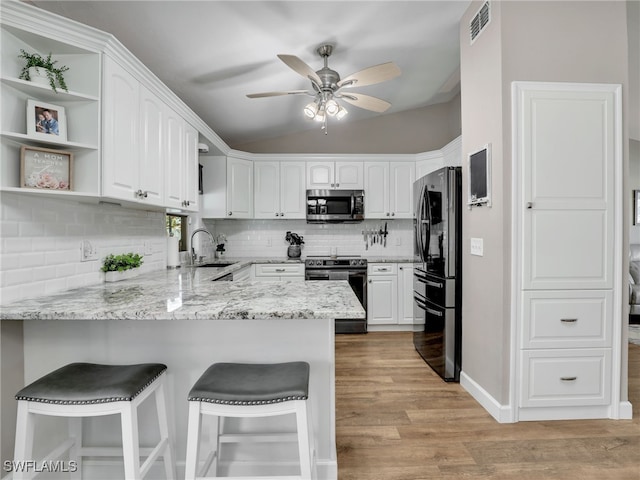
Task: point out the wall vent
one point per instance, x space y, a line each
479 21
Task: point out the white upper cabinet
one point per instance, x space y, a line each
239 188
121 125
152 151
334 175
174 165
279 190
376 188
388 188
191 168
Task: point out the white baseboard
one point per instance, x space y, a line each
625 410
502 413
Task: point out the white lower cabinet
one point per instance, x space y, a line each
382 294
389 294
405 293
276 272
565 378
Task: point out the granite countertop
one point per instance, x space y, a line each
190 293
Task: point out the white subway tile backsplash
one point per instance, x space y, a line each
41 243
267 237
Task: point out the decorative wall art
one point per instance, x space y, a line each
44 168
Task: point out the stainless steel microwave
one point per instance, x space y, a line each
335 206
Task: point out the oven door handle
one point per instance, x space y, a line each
317 275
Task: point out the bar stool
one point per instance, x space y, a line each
82 390
250 390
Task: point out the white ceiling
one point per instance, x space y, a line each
213 53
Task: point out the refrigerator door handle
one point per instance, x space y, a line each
433 312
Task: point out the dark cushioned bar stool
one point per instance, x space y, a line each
88 390
250 390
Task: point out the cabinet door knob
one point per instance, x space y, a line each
145 194
277 214
281 214
393 214
529 204
369 280
337 184
230 213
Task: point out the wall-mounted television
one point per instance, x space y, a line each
480 177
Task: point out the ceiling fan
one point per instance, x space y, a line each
327 87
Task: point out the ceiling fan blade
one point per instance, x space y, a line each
276 94
365 101
370 76
300 67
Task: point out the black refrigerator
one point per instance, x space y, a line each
437 281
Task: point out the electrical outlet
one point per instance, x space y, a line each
477 247
148 247
88 251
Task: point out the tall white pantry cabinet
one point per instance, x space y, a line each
567 260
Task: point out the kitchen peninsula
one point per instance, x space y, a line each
184 319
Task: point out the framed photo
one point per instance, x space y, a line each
46 121
636 207
46 169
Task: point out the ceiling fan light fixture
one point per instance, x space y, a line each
320 116
311 109
342 112
332 107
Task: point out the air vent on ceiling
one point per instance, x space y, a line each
479 21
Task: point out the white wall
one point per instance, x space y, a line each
412 131
265 238
41 238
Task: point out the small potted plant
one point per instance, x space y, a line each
295 244
50 73
121 267
220 241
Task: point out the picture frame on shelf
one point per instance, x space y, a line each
46 168
46 121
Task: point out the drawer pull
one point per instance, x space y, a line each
568 320
568 379
280 269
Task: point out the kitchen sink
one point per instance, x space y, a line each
216 264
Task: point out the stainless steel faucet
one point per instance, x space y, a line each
193 250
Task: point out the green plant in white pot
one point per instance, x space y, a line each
121 267
37 66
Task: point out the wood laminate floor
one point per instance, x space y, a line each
397 420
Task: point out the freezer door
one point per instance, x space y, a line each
436 342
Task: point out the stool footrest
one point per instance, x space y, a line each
279 477
258 437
